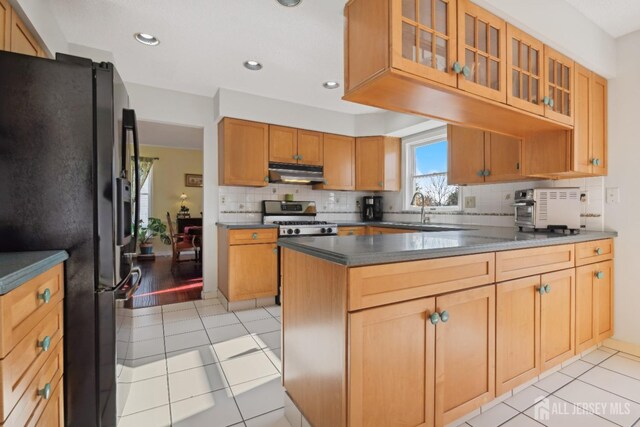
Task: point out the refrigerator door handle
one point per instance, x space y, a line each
124 292
129 122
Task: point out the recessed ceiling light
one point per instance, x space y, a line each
331 85
147 39
252 65
289 3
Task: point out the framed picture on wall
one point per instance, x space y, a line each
192 180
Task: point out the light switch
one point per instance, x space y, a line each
613 196
470 202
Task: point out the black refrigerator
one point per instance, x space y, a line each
67 143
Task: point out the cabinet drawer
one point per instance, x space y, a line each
351 231
22 364
31 406
592 252
251 236
24 307
383 284
53 414
386 230
529 262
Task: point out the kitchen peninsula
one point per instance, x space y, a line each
419 329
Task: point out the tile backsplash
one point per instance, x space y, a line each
243 204
493 203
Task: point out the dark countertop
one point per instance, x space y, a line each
389 248
405 225
17 268
244 225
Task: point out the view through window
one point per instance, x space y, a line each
427 161
145 199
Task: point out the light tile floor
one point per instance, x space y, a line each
195 364
600 389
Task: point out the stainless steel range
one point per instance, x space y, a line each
296 219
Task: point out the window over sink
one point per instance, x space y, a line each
426 166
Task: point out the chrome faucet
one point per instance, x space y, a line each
423 200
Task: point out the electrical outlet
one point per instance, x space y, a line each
470 202
613 196
584 197
223 200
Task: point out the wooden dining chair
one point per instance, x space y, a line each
179 242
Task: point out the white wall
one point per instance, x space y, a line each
624 154
167 106
559 25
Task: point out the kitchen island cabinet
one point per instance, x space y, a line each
421 329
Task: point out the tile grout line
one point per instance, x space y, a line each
586 410
166 365
221 368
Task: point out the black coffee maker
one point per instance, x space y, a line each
372 208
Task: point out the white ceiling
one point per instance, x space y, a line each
170 135
616 17
204 43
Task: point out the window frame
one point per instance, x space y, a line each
149 194
409 145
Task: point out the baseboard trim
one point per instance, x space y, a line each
209 294
625 347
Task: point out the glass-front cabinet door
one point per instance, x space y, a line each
481 65
558 87
524 71
424 38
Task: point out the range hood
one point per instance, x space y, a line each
287 173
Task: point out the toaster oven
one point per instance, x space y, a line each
548 208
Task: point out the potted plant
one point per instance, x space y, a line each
154 228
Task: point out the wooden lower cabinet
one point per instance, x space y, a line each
517 333
421 344
352 231
557 318
386 230
392 365
247 263
31 360
465 353
401 360
594 304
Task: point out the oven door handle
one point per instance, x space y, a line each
523 204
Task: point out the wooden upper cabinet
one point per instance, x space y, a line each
22 41
558 86
378 164
590 125
502 158
310 147
476 157
423 40
583 151
339 163
482 53
5 25
557 316
243 153
525 56
466 155
465 352
517 342
283 144
391 365
290 145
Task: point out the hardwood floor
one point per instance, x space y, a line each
164 283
